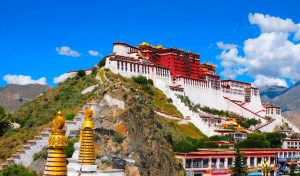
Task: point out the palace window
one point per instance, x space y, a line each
197 163
213 163
205 163
251 161
230 162
222 163
259 160
188 163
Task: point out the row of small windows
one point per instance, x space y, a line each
141 69
222 162
277 111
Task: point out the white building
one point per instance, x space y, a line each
229 95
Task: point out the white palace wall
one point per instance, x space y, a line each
199 92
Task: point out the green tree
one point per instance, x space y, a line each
4 121
81 73
102 62
70 148
94 70
275 139
254 140
17 170
150 81
240 168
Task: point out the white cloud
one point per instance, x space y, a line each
94 53
67 51
268 23
23 80
60 78
224 46
297 34
269 56
261 81
232 63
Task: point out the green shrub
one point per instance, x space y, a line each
17 170
70 116
70 148
30 123
40 154
227 137
150 81
81 73
118 137
218 112
140 80
184 146
94 70
5 123
248 122
147 88
170 100
102 62
107 162
268 118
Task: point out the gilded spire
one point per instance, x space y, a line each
87 148
56 159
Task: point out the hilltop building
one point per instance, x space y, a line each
177 72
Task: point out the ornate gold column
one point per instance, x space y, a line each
56 164
87 148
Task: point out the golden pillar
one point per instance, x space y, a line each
87 148
56 164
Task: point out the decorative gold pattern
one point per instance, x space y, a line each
56 164
87 148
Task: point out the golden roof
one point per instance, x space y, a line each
144 44
159 47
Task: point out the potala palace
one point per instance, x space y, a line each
177 72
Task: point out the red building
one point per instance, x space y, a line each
180 63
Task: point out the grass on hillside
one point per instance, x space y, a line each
160 101
190 130
36 115
101 74
180 131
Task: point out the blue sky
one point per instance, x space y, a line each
31 30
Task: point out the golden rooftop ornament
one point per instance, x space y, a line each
56 160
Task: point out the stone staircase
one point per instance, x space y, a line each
24 156
247 112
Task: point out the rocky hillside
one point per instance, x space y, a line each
287 98
144 137
293 116
13 96
270 92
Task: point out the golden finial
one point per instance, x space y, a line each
59 121
56 160
88 120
